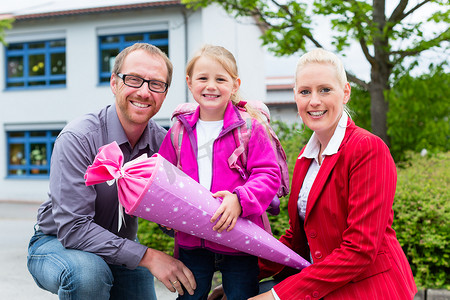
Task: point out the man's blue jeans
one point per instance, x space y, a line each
75 274
239 273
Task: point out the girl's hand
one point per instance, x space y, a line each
229 211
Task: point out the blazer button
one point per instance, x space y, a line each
312 234
307 297
315 294
318 254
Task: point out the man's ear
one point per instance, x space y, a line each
113 83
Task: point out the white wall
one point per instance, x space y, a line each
282 106
285 113
82 93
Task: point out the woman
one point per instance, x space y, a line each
340 206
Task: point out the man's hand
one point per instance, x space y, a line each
229 211
170 271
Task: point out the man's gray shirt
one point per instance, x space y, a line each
86 217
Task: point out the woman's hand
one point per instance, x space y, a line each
217 294
265 296
168 228
229 211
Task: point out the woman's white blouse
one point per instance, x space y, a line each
312 150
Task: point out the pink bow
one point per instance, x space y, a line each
131 177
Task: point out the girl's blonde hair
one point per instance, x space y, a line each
228 62
322 56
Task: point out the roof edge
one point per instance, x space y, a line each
96 10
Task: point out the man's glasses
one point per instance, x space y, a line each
136 82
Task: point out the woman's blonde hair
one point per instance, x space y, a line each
228 62
322 56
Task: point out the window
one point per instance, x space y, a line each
29 152
111 45
36 64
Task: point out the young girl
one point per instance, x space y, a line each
206 145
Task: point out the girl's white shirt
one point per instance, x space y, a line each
207 133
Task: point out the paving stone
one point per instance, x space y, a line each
438 295
420 295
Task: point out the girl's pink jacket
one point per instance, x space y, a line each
255 192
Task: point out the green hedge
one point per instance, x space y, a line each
150 235
422 218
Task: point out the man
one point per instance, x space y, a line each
78 250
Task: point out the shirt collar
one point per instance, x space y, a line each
313 147
232 118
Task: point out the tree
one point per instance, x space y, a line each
419 112
5 23
385 41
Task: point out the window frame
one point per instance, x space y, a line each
122 43
27 140
25 52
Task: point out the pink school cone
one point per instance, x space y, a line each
155 190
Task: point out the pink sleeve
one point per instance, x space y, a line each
264 173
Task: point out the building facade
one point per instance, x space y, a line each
57 62
280 99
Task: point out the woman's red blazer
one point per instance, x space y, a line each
347 228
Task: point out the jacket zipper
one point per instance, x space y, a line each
212 178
